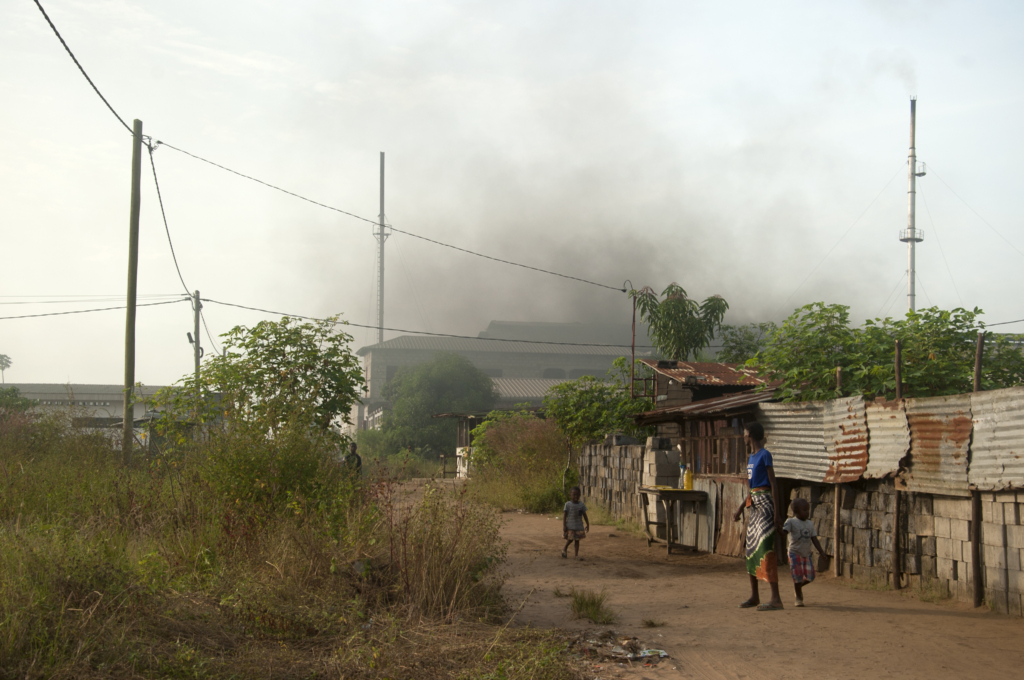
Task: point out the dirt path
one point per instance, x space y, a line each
843 632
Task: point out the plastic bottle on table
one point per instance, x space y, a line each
688 479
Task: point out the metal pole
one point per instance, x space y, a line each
977 572
897 566
911 236
837 567
632 356
380 258
128 431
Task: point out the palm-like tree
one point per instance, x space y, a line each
5 363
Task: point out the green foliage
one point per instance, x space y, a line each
590 408
742 343
679 326
5 363
11 399
277 373
588 604
445 384
518 460
938 349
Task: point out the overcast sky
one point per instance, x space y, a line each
727 146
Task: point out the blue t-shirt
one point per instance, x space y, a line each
757 468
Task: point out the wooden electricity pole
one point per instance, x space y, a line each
977 570
128 431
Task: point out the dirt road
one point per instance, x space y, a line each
843 632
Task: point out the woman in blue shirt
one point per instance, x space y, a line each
764 525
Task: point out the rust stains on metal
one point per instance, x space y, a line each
706 373
846 439
730 404
997 449
888 438
940 437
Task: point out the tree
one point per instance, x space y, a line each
680 327
938 349
447 383
590 408
741 343
5 363
274 374
11 400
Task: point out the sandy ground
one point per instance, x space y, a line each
843 632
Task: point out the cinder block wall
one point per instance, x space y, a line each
610 475
934 535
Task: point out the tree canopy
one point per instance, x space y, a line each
447 383
742 343
589 408
938 349
679 326
276 373
11 400
5 363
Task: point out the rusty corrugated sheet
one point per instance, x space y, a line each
888 438
730 403
940 438
796 438
846 439
997 451
707 373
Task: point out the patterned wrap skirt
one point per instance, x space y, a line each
761 560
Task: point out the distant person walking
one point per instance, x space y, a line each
763 526
353 462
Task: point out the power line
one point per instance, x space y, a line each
848 230
939 241
86 311
894 289
209 335
396 230
441 335
931 169
75 59
109 298
163 214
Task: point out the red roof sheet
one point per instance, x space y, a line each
706 373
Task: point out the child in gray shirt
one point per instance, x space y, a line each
573 516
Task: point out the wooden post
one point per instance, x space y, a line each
977 573
977 361
899 370
839 381
128 424
837 569
897 554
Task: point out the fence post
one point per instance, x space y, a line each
977 572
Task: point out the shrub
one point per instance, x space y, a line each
587 604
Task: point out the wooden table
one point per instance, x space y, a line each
668 497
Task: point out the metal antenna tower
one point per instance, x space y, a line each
381 234
912 235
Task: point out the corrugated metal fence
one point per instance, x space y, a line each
942 445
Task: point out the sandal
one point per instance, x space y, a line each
769 607
564 555
747 604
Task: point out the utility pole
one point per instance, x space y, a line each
197 350
382 235
911 235
128 429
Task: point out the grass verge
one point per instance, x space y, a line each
587 604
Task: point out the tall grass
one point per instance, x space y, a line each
519 463
217 558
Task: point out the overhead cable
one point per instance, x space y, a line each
441 335
931 169
167 229
939 241
848 230
394 229
86 311
209 335
79 65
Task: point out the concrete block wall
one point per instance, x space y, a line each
610 475
935 537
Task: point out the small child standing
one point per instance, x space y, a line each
801 536
573 516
